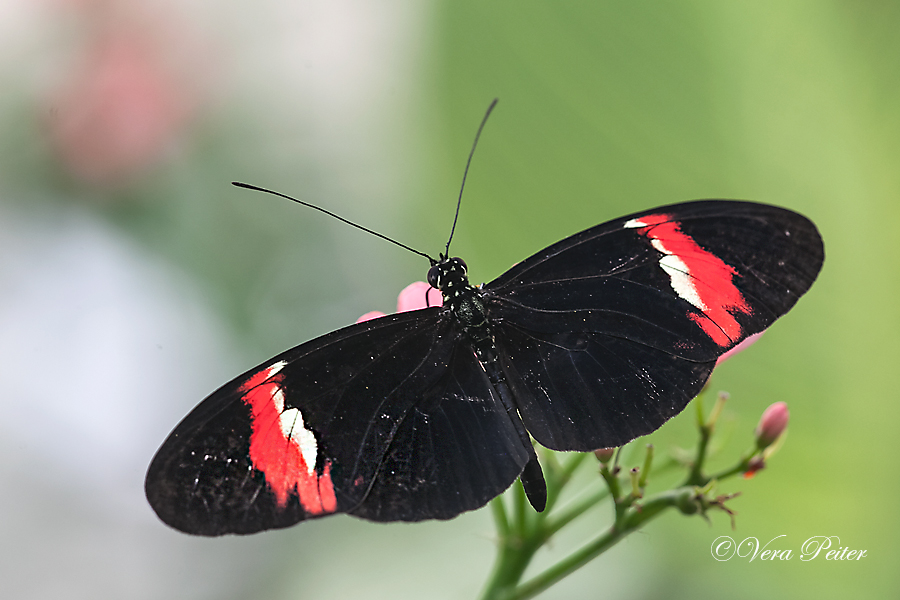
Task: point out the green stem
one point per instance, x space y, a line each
573 510
517 544
498 509
612 480
519 515
648 463
513 559
522 534
635 517
572 464
740 467
695 477
558 477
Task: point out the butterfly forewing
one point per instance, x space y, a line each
307 433
610 332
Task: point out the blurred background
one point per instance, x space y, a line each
134 279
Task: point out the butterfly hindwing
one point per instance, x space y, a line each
582 390
326 427
454 451
610 332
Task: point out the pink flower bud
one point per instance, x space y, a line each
604 455
772 424
757 463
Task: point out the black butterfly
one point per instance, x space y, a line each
590 343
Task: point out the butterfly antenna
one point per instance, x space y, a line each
331 214
466 172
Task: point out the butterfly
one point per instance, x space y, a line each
590 343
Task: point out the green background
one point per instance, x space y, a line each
605 108
610 107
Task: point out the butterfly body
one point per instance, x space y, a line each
590 343
466 304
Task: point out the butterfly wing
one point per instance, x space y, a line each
391 419
612 331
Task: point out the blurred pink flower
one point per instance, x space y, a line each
772 424
412 297
372 314
740 347
124 104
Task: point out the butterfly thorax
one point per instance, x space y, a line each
464 301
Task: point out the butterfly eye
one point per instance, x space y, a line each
434 274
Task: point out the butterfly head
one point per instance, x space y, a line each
448 274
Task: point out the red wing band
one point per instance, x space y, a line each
282 448
697 276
